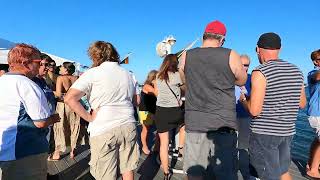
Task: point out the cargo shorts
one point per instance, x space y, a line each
114 152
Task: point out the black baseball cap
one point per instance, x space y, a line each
269 41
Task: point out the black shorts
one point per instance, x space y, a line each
167 118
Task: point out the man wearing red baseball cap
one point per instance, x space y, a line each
211 73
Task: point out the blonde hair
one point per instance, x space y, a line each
151 76
101 51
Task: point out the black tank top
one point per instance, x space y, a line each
148 103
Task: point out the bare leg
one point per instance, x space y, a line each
157 143
286 176
56 154
164 157
72 153
182 135
144 135
128 175
314 160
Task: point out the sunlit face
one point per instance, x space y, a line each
316 62
33 68
43 70
63 71
51 67
245 62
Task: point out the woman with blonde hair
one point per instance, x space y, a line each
111 92
147 108
169 114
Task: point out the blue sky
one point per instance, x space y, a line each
66 28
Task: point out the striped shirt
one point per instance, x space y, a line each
281 103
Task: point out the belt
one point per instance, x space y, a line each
224 130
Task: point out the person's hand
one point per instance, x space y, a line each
54 118
93 114
242 97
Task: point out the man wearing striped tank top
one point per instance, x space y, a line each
277 93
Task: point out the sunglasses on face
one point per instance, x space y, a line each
44 64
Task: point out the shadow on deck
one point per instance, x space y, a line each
78 169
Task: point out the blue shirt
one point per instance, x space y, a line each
241 112
314 91
52 103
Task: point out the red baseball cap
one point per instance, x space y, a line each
216 27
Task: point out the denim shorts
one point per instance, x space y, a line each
270 155
212 155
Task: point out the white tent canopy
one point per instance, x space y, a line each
6 45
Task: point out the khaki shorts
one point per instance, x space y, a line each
114 150
32 167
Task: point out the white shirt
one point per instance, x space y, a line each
21 102
110 89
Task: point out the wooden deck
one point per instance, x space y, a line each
78 169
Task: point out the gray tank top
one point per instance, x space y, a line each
210 97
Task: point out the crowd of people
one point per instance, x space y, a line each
226 119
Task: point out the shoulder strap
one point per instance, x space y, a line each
173 93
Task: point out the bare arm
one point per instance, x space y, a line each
258 90
136 99
182 63
51 120
72 99
237 69
148 89
155 88
59 85
303 99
